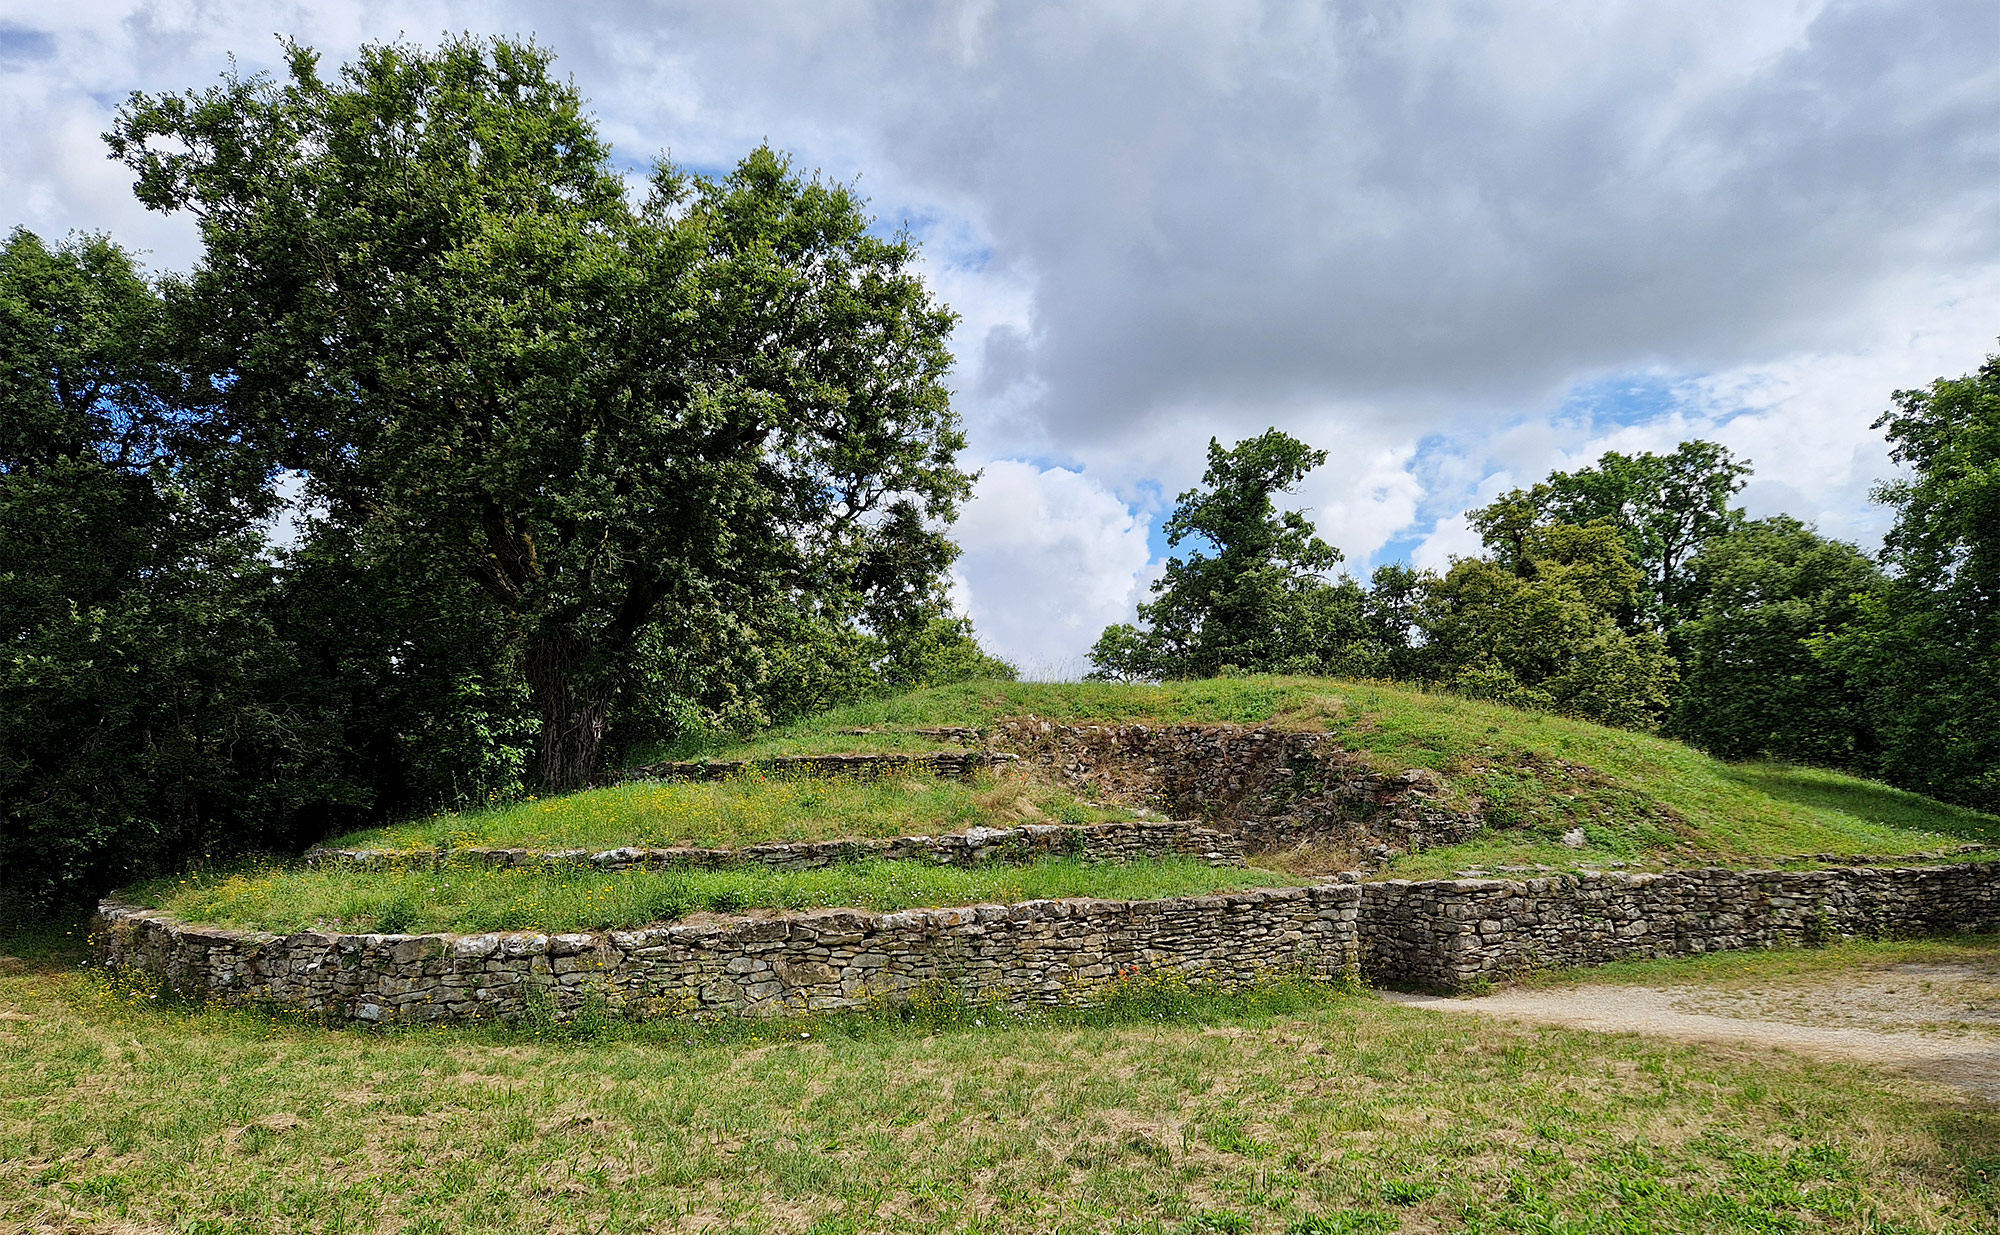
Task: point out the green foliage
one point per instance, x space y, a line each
1538 626
1559 616
1259 602
146 711
1751 686
1667 507
1925 645
432 708
707 420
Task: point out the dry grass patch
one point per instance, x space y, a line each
1336 1114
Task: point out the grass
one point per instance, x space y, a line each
744 810
473 898
1297 1114
1533 776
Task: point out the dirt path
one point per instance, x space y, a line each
1938 1022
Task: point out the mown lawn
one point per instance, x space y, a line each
474 898
1296 1113
1533 776
745 810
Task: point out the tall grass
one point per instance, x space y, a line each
745 810
469 898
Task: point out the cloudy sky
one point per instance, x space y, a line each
1456 244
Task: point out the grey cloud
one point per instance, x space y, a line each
1410 206
1006 359
1400 202
1381 218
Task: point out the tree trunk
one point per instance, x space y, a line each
574 711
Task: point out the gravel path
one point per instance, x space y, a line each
1938 1022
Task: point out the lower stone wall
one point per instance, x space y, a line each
1119 841
1454 933
1037 952
1440 934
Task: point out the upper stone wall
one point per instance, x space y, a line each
948 765
1118 841
1269 786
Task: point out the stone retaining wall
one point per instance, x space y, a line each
1035 952
950 765
1454 933
1439 933
1272 787
1118 841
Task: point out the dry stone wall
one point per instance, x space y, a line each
1439 933
1037 952
950 765
1118 841
1455 933
1271 787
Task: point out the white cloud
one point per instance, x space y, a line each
1050 559
1407 231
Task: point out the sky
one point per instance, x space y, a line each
1457 245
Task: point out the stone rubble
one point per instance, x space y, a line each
1273 788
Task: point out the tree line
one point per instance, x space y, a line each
457 464
572 469
1634 593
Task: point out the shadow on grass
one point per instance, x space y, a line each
1868 800
43 941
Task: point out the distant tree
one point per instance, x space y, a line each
716 413
1537 626
1667 507
1925 646
146 704
1260 600
1393 613
1750 683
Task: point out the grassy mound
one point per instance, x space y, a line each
483 899
1532 776
746 810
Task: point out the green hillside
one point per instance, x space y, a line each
1531 777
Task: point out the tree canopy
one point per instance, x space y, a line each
1925 645
1259 599
1667 507
695 418
143 704
1751 684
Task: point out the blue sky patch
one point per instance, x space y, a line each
20 45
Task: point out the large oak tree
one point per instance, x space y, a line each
431 293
